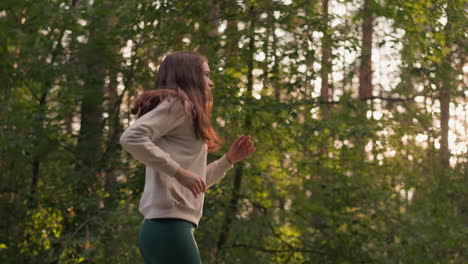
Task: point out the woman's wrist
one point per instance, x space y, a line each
179 173
229 159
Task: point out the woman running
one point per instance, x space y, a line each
172 136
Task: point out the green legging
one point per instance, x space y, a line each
168 241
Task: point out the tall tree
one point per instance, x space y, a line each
365 67
94 72
326 66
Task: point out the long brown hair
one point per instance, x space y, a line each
181 75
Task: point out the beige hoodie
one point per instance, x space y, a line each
164 139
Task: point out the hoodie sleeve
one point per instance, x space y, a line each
216 170
138 138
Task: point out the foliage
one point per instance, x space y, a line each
309 194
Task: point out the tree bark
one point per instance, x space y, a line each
365 72
446 75
91 124
326 65
365 69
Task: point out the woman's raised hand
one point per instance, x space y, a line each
240 149
191 181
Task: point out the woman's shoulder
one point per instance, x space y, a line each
173 103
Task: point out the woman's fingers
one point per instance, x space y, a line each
251 150
239 141
193 182
247 141
244 142
203 185
248 144
200 188
243 146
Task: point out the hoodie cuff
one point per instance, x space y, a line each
172 168
224 163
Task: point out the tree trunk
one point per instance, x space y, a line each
90 137
446 75
365 69
324 73
96 58
326 65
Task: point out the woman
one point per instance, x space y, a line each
172 136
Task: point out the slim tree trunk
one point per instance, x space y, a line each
326 65
365 69
446 74
95 59
114 127
325 73
90 137
444 98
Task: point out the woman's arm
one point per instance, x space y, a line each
216 170
138 138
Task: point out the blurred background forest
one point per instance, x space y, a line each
357 109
